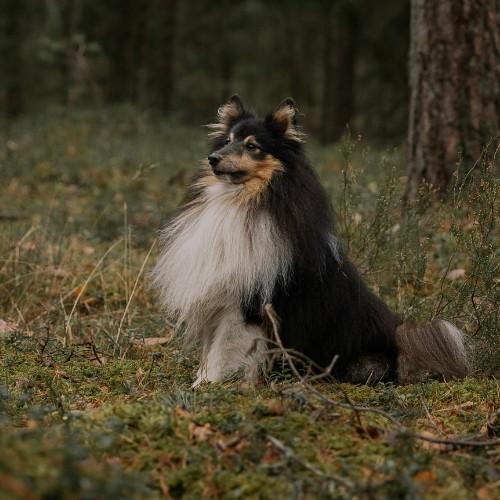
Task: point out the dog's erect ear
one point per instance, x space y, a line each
230 111
284 120
227 114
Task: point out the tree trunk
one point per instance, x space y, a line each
295 33
454 87
120 46
13 66
339 60
162 60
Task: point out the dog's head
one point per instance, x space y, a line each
248 149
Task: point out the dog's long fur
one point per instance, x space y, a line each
256 227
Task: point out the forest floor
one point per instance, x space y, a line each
95 397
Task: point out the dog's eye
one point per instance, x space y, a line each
251 146
227 140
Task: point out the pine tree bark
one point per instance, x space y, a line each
454 73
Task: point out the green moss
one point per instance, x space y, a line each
216 440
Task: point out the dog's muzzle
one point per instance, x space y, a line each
226 169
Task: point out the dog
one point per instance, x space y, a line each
256 228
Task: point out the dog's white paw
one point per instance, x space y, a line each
199 381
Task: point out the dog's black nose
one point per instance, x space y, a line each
214 159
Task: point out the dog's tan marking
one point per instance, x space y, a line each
260 176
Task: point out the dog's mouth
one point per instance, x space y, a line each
232 176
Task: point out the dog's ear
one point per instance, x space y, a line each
284 120
231 111
227 115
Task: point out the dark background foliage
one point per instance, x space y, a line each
344 61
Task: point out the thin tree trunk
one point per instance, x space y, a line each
163 66
296 38
70 15
13 66
454 87
153 39
119 46
339 62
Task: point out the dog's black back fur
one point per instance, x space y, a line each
325 307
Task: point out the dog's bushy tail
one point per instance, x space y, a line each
436 347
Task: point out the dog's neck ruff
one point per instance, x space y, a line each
218 251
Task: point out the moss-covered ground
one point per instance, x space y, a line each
95 397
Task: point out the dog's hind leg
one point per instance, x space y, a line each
368 369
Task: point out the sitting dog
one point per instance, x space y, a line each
256 228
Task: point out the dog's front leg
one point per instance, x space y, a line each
201 374
236 348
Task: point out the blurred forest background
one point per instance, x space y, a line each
342 61
419 70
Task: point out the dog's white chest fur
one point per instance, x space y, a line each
219 252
